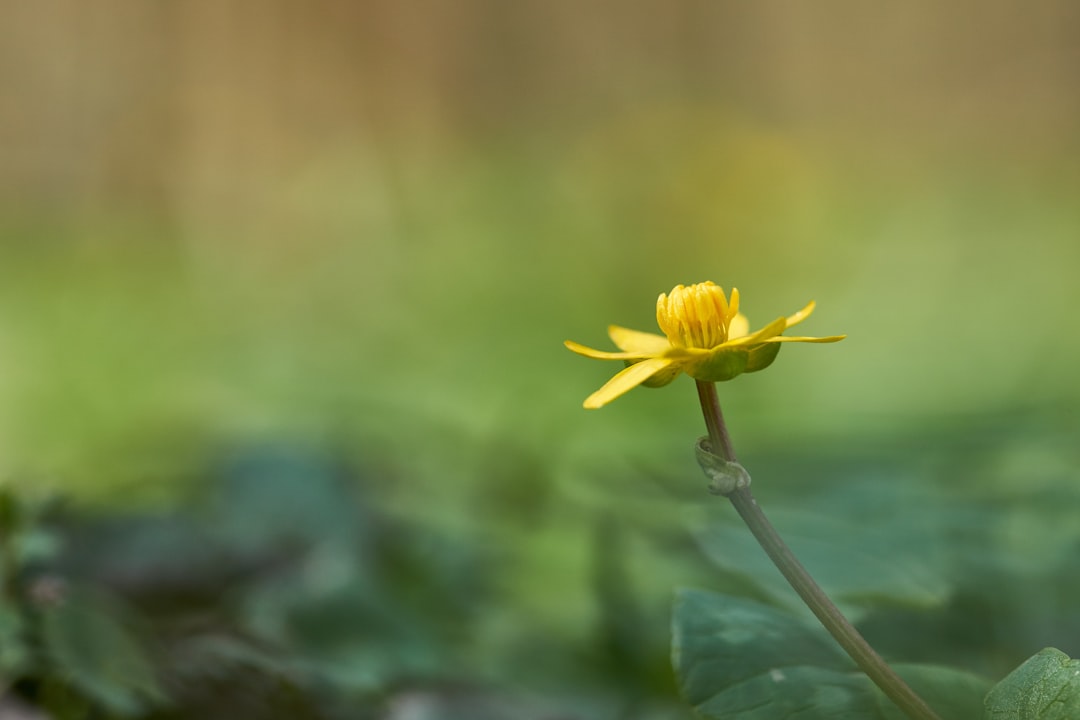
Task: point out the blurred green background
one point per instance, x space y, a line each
360 232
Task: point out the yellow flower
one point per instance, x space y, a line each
706 337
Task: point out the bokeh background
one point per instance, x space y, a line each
263 261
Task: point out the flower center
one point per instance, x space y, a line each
697 316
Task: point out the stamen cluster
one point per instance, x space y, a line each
697 316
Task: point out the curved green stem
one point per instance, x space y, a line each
853 643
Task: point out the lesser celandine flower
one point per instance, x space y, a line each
705 336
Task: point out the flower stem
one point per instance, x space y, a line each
853 643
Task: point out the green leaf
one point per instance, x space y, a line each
14 653
91 645
953 693
274 496
861 566
1045 687
735 658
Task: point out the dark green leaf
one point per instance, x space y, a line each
739 659
953 694
274 496
88 638
14 654
859 565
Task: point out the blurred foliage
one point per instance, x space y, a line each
284 592
284 587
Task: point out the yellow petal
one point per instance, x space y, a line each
626 380
802 314
739 326
785 338
635 341
772 329
600 354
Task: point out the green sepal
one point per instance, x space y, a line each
661 378
719 365
762 356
